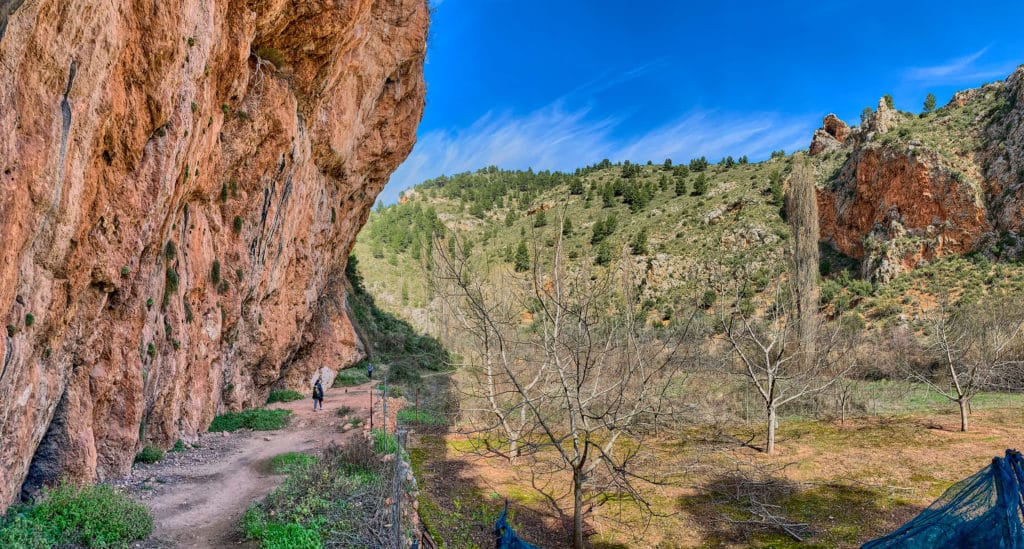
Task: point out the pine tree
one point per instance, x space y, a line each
608 196
541 219
680 186
575 186
700 186
603 254
775 178
522 258
929 102
865 116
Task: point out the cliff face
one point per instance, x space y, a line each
180 185
902 188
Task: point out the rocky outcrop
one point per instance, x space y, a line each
914 188
894 209
180 185
831 136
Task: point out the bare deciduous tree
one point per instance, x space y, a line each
802 213
577 384
975 347
769 352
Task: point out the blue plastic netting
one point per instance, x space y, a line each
983 511
506 537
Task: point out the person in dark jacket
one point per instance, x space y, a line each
369 370
318 395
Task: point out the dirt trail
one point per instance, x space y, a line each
199 496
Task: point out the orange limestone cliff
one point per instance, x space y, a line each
905 188
180 186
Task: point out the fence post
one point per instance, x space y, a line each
384 406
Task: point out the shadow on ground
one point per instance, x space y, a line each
753 506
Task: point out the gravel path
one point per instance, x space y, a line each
198 496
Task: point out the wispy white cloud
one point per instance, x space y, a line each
609 79
557 138
966 69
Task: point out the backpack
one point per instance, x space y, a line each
318 391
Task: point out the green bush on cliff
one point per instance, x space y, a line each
149 454
69 515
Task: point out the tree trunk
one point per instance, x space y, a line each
772 422
963 414
577 509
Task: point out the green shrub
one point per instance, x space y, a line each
421 417
284 395
172 280
344 411
150 454
384 443
236 225
151 349
393 390
215 271
30 319
179 446
170 250
257 419
290 461
288 536
125 271
350 378
90 516
708 299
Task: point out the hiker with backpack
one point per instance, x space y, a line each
369 370
318 395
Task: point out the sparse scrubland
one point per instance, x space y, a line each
332 500
646 356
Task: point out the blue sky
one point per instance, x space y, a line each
559 84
